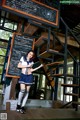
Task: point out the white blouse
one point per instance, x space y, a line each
23 62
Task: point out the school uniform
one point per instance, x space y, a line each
26 78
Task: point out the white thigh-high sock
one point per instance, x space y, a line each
21 93
25 99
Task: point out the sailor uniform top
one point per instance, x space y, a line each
25 62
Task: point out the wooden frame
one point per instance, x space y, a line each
34 17
10 53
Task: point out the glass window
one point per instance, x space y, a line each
15 26
0 78
10 25
1 22
70 70
5 34
3 44
61 71
2 59
2 51
1 69
43 81
69 89
60 89
69 81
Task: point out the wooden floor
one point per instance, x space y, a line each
43 113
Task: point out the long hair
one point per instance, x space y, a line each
27 54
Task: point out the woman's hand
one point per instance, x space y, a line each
30 70
29 65
41 65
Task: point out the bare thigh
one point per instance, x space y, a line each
28 88
22 86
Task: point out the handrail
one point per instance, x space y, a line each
70 30
64 46
72 35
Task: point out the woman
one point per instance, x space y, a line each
26 79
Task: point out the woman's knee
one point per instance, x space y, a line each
22 86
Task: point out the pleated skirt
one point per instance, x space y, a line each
26 79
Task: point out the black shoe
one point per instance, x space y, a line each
18 108
22 110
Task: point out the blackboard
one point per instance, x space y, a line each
34 9
20 45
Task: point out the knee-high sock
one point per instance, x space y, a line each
21 93
25 99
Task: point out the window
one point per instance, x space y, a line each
2 51
1 22
10 25
69 80
2 59
3 44
5 34
1 68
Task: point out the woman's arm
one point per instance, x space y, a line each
32 70
23 66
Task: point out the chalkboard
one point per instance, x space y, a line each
20 45
34 9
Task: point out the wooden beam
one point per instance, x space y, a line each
70 40
30 29
45 35
19 28
40 41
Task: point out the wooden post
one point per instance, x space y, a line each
7 106
13 85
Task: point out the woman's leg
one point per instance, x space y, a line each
21 93
26 96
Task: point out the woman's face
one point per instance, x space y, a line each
30 55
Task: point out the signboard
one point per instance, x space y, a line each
34 10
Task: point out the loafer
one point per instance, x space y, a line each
22 110
18 108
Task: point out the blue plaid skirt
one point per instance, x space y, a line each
26 79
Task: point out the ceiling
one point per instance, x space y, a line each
71 15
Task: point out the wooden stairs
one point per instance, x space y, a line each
50 66
75 94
